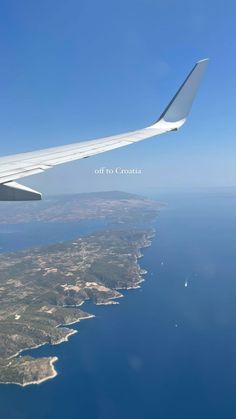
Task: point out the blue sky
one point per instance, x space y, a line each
80 69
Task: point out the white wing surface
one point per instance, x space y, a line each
25 164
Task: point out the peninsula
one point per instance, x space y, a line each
42 289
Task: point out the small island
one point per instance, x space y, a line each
43 289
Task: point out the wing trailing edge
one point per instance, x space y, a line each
13 191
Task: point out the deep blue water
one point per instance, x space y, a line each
20 236
167 351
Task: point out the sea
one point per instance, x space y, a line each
168 350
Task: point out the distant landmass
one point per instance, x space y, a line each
121 207
42 289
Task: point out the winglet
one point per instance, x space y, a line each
179 107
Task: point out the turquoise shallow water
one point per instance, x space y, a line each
166 351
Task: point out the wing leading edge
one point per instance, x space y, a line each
25 164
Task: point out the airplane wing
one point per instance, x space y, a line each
25 164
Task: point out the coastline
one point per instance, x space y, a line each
53 375
64 339
52 361
138 274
